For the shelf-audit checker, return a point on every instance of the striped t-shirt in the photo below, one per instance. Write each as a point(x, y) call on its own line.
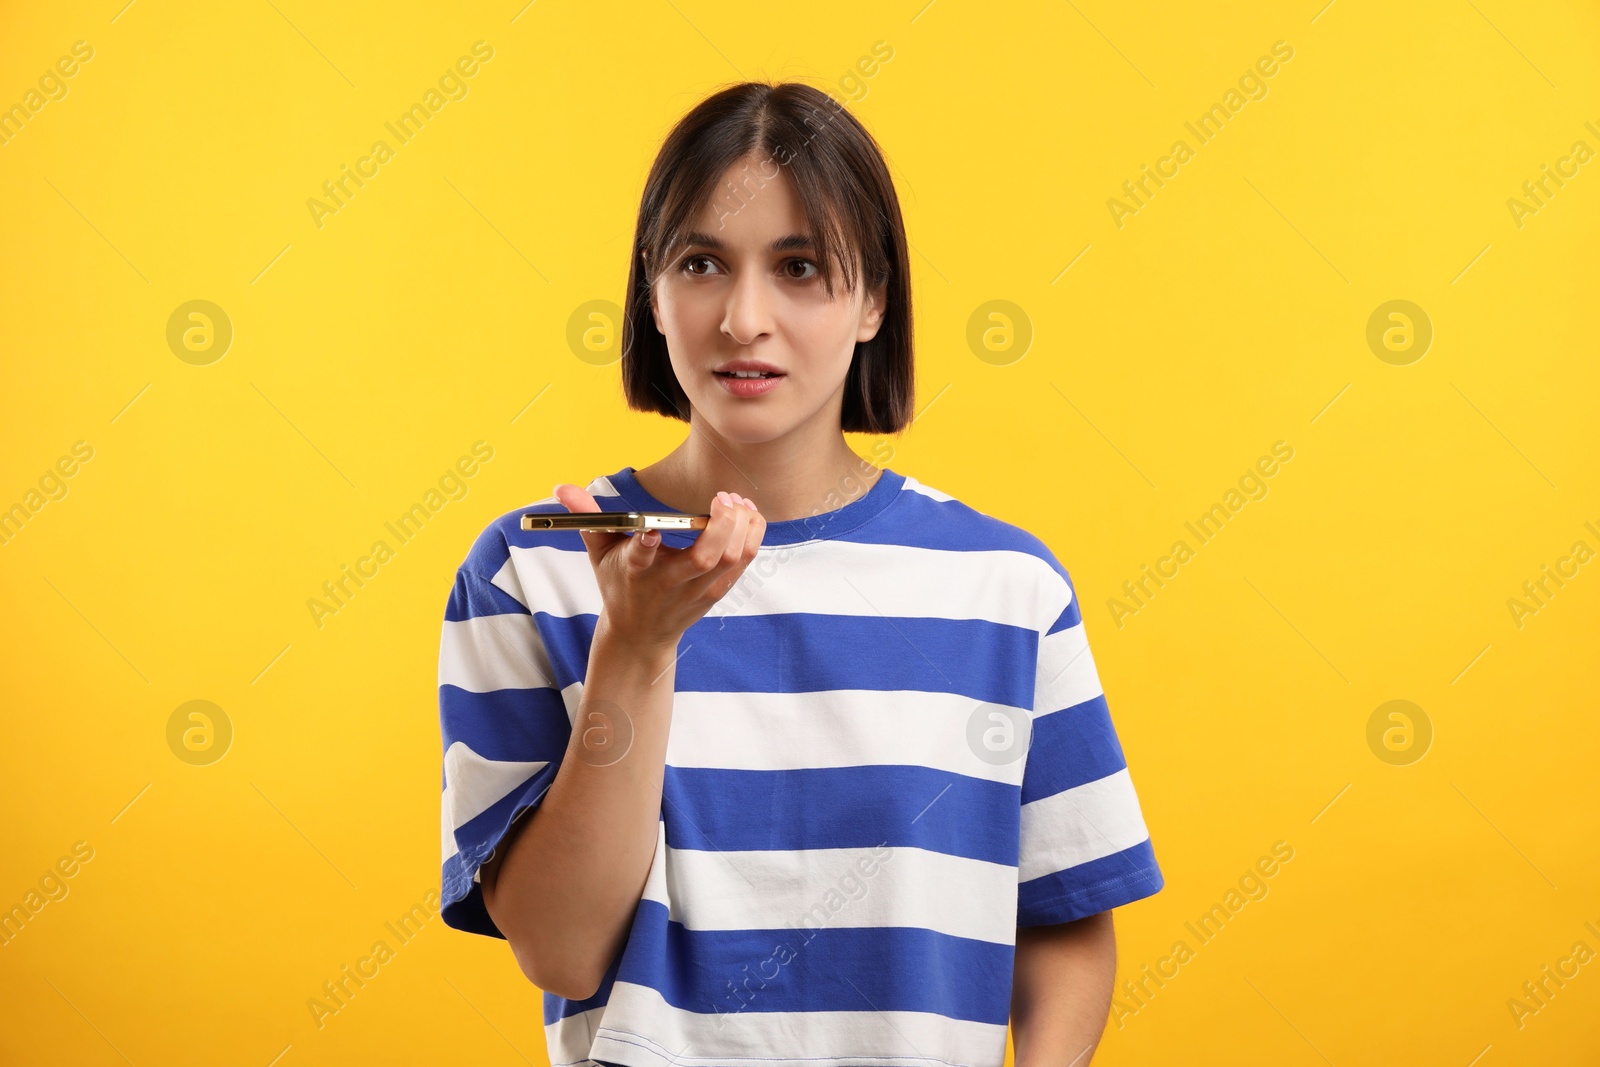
point(889, 749)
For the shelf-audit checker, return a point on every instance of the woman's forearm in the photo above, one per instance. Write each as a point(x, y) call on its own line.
point(1061, 991)
point(564, 886)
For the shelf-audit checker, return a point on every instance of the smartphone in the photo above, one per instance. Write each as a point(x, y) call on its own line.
point(613, 521)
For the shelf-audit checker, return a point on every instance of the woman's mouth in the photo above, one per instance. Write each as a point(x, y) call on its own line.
point(748, 383)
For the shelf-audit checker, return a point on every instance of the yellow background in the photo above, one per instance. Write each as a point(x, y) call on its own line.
point(1229, 313)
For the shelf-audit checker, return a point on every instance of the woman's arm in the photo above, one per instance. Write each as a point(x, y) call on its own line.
point(1061, 991)
point(564, 885)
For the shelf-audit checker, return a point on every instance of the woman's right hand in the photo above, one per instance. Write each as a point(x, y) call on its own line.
point(652, 594)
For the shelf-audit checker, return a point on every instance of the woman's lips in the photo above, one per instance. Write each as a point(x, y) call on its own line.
point(748, 387)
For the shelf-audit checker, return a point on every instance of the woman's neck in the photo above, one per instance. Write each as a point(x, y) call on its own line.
point(785, 480)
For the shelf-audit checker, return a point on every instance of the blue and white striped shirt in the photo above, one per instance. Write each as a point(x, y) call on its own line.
point(889, 748)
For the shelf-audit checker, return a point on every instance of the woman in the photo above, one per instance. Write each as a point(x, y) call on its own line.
point(843, 786)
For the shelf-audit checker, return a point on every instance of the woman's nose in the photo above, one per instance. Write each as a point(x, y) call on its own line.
point(749, 312)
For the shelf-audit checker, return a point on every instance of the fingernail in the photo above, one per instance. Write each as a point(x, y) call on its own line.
point(723, 497)
point(749, 503)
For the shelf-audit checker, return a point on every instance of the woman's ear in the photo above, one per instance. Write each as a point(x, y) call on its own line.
point(873, 308)
point(655, 308)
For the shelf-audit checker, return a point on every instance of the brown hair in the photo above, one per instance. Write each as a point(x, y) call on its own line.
point(842, 183)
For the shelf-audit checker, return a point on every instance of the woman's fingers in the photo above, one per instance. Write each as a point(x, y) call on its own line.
point(574, 497)
point(729, 548)
point(577, 499)
point(711, 546)
point(754, 533)
point(727, 544)
point(642, 549)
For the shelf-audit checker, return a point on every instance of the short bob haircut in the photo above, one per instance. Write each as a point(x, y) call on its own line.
point(839, 176)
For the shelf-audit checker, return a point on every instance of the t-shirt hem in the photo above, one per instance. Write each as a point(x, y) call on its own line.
point(459, 908)
point(636, 1050)
point(1093, 899)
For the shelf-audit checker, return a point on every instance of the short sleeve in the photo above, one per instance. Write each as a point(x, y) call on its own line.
point(504, 729)
point(1084, 847)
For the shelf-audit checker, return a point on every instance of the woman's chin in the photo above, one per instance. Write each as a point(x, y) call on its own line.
point(745, 427)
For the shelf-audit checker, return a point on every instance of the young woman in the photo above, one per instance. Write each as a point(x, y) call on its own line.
point(832, 780)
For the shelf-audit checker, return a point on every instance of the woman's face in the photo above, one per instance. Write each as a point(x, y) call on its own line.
point(748, 287)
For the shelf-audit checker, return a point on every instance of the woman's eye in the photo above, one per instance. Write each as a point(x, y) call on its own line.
point(808, 269)
point(802, 263)
point(685, 265)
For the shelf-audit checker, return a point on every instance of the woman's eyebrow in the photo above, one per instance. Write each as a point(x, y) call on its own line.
point(782, 244)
